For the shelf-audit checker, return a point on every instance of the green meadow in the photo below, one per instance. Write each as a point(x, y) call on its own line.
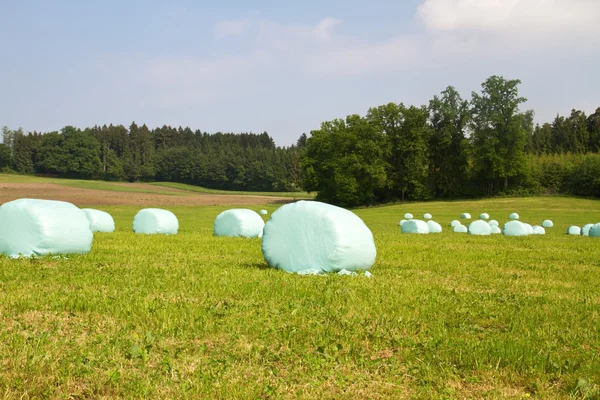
point(447, 316)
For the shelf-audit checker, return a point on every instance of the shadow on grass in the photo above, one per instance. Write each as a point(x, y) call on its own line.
point(257, 265)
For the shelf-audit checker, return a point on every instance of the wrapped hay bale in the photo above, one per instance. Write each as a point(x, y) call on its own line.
point(479, 228)
point(574, 230)
point(263, 212)
point(315, 236)
point(427, 216)
point(465, 216)
point(460, 229)
point(514, 228)
point(402, 221)
point(513, 216)
point(155, 221)
point(31, 227)
point(496, 230)
point(455, 223)
point(547, 224)
point(529, 228)
point(239, 222)
point(538, 230)
point(100, 221)
point(485, 216)
point(415, 226)
point(585, 230)
point(594, 231)
point(408, 216)
point(434, 227)
point(493, 223)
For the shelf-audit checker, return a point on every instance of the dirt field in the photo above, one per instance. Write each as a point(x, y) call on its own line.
point(90, 197)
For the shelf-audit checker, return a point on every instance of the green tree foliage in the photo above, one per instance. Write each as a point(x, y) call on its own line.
point(5, 157)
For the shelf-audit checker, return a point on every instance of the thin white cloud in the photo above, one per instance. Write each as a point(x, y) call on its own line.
point(231, 27)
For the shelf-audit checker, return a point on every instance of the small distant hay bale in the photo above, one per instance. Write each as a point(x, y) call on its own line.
point(238, 222)
point(427, 216)
point(574, 230)
point(152, 221)
point(408, 216)
point(594, 231)
point(539, 230)
point(263, 212)
point(100, 221)
point(415, 226)
point(434, 227)
point(32, 227)
point(496, 230)
point(455, 223)
point(465, 216)
point(529, 228)
point(514, 228)
point(484, 216)
point(547, 224)
point(479, 228)
point(493, 223)
point(513, 216)
point(317, 237)
point(460, 229)
point(585, 230)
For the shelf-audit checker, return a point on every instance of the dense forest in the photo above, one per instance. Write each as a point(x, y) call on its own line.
point(449, 148)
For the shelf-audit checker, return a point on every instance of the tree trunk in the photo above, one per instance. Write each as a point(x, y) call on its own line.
point(403, 195)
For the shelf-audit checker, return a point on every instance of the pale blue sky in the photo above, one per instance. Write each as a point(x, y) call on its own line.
point(283, 67)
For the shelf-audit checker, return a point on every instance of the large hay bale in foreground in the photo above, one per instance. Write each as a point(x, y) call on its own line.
point(31, 227)
point(152, 221)
point(480, 228)
point(594, 231)
point(239, 222)
point(100, 221)
point(514, 228)
point(315, 236)
point(415, 226)
point(434, 227)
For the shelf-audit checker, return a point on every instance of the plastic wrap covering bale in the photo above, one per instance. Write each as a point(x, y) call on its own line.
point(455, 223)
point(31, 227)
point(547, 223)
point(529, 228)
point(465, 216)
point(434, 227)
point(479, 228)
point(100, 221)
point(402, 221)
point(585, 230)
point(574, 230)
point(594, 231)
point(263, 212)
point(310, 235)
point(155, 221)
point(460, 229)
point(514, 228)
point(538, 230)
point(513, 216)
point(484, 216)
point(496, 230)
point(493, 223)
point(427, 216)
point(415, 226)
point(239, 222)
point(408, 216)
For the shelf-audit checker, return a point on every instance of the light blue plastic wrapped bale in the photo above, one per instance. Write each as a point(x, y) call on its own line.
point(529, 228)
point(239, 222)
point(513, 216)
point(485, 216)
point(152, 221)
point(310, 235)
point(455, 223)
point(402, 221)
point(538, 230)
point(594, 231)
point(427, 216)
point(514, 228)
point(434, 227)
point(408, 216)
point(496, 230)
point(493, 223)
point(465, 216)
point(585, 230)
point(100, 221)
point(31, 227)
point(574, 230)
point(479, 228)
point(460, 229)
point(415, 226)
point(263, 212)
point(547, 223)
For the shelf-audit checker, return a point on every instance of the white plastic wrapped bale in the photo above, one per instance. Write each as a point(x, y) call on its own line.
point(408, 216)
point(315, 236)
point(479, 228)
point(31, 227)
point(529, 228)
point(513, 216)
point(465, 216)
point(496, 230)
point(585, 230)
point(574, 230)
point(239, 222)
point(539, 230)
point(493, 223)
point(100, 221)
point(460, 229)
point(263, 212)
point(547, 224)
point(155, 221)
point(434, 227)
point(415, 226)
point(514, 228)
point(485, 216)
point(427, 216)
point(455, 223)
point(402, 221)
point(594, 231)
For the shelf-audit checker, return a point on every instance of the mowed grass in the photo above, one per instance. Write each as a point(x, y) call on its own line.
point(200, 189)
point(446, 316)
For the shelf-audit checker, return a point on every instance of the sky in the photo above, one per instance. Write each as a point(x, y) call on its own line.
point(283, 67)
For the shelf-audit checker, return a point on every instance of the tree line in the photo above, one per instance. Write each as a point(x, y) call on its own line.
point(452, 148)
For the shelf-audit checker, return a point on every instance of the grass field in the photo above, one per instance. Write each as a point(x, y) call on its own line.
point(445, 316)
